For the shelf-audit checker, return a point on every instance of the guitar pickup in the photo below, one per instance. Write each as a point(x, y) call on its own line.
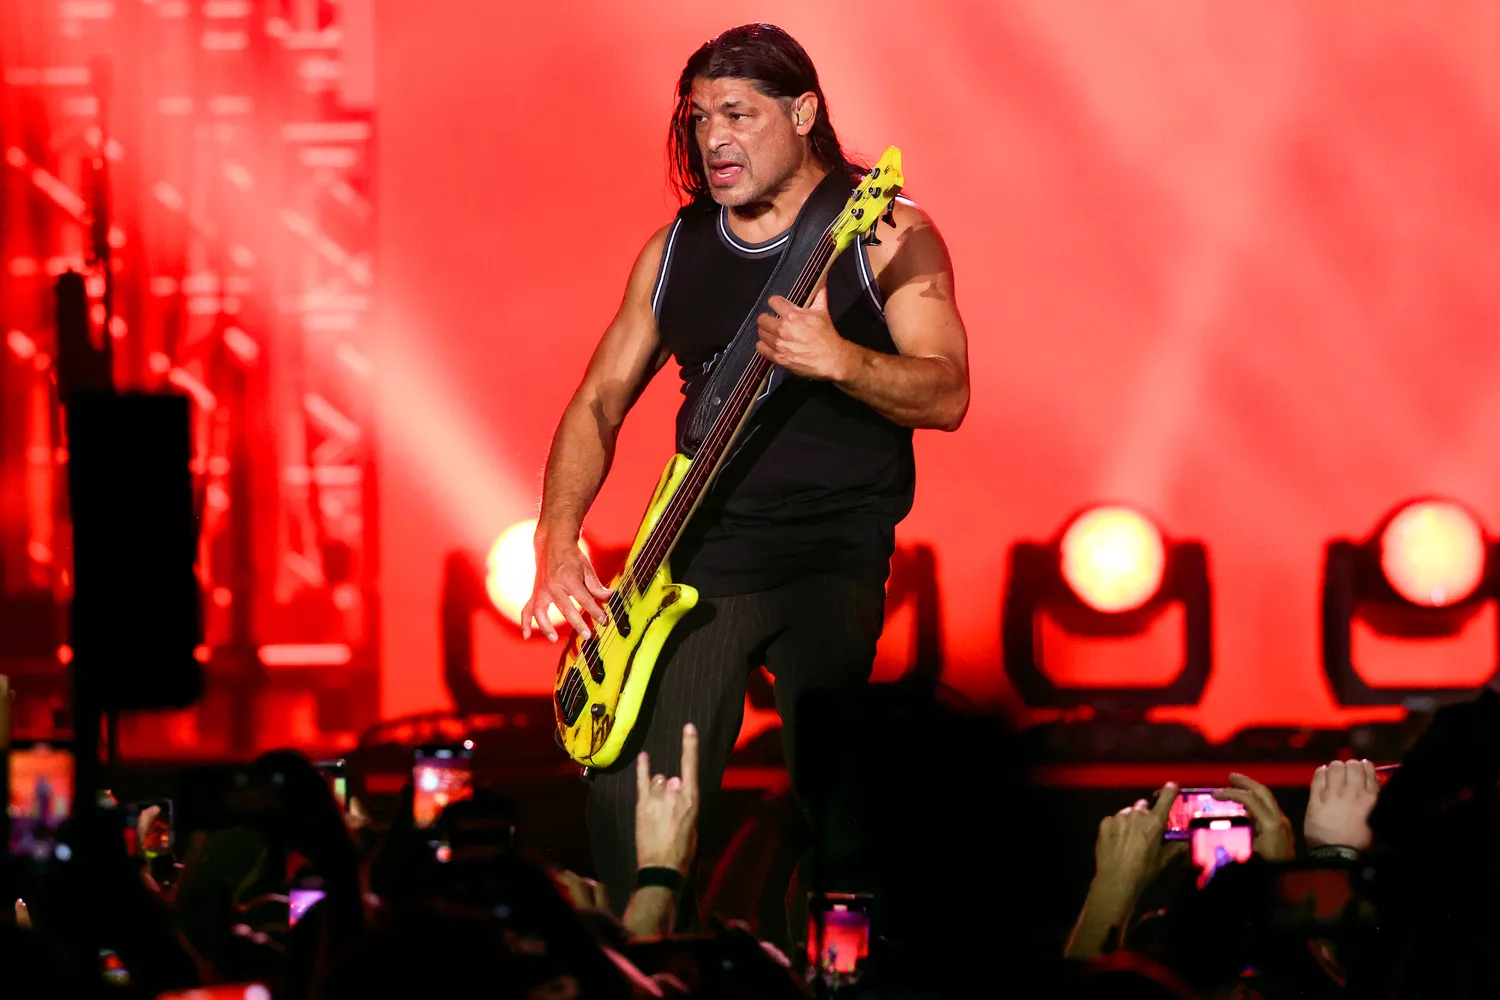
point(571, 699)
point(617, 614)
point(589, 649)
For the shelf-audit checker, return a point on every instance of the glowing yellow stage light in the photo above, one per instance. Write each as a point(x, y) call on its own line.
point(510, 571)
point(1432, 553)
point(1113, 558)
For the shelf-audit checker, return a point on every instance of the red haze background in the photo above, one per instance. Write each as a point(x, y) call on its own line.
point(1234, 263)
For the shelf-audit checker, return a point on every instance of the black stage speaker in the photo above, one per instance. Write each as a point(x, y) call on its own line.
point(136, 619)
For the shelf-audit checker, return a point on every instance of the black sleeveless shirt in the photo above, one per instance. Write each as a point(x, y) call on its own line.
point(819, 480)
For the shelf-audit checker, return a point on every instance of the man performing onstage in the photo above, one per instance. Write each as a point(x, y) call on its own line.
point(791, 547)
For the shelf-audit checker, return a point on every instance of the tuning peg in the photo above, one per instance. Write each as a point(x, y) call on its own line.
point(871, 240)
point(889, 218)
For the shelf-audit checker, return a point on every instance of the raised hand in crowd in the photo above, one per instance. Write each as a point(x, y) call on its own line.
point(1339, 804)
point(583, 893)
point(1130, 851)
point(1274, 839)
point(666, 838)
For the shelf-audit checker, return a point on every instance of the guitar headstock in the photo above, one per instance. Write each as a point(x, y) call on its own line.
point(875, 197)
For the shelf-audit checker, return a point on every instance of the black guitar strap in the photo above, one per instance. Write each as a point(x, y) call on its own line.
point(821, 208)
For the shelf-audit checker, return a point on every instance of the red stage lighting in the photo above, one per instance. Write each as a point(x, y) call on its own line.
point(1432, 553)
point(510, 571)
point(1113, 558)
point(1110, 576)
point(1425, 573)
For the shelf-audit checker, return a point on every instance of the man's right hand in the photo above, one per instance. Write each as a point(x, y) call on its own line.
point(566, 578)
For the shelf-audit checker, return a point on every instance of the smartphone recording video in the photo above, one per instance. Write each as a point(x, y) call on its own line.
point(336, 773)
point(440, 774)
point(41, 798)
point(836, 950)
point(1218, 841)
point(1194, 802)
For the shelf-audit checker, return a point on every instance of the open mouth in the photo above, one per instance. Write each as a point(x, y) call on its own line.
point(724, 174)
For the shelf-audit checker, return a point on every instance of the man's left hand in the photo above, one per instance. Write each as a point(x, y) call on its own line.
point(803, 341)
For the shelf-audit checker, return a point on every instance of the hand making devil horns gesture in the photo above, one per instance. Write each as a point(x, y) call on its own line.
point(666, 810)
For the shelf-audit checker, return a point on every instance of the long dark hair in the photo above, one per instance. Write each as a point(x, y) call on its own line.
point(780, 68)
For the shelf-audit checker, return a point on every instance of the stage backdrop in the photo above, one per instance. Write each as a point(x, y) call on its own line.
point(1234, 263)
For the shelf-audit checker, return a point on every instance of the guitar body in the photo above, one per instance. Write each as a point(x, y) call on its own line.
point(594, 716)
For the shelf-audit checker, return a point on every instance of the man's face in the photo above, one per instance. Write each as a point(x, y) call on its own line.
point(749, 142)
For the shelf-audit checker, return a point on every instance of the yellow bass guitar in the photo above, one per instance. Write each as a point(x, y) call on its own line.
point(602, 680)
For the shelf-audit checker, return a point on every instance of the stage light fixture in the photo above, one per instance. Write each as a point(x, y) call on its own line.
point(510, 571)
point(1113, 558)
point(1432, 553)
point(1109, 573)
point(1424, 573)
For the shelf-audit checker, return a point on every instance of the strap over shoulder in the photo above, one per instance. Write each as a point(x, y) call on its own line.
point(818, 212)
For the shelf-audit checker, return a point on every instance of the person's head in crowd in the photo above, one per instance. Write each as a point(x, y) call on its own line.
point(1436, 863)
point(936, 779)
point(500, 922)
point(92, 899)
point(309, 818)
point(1229, 934)
point(320, 853)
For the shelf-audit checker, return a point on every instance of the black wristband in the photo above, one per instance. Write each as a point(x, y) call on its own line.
point(657, 876)
point(1334, 852)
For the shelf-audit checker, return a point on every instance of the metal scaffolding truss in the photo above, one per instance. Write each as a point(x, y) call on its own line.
point(238, 136)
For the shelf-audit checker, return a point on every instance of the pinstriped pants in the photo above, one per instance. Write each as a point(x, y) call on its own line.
point(815, 636)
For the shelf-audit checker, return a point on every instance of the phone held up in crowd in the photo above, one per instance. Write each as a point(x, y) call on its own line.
point(41, 784)
point(441, 773)
point(1192, 803)
point(1218, 841)
point(838, 937)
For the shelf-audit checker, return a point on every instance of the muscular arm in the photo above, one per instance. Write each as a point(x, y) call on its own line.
point(628, 355)
point(927, 383)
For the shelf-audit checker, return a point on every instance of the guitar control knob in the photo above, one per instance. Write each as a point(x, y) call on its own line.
point(596, 710)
